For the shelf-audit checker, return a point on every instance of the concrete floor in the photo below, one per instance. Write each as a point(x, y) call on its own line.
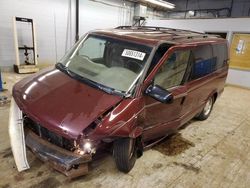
point(212, 153)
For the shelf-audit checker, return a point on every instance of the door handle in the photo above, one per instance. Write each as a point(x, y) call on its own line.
point(180, 95)
point(182, 100)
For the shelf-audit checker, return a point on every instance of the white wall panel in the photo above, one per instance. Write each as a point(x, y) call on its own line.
point(95, 15)
point(42, 12)
point(54, 35)
point(238, 77)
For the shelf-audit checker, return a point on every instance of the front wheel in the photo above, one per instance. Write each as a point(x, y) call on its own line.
point(206, 110)
point(124, 152)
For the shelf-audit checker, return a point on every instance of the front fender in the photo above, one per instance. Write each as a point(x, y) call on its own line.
point(123, 120)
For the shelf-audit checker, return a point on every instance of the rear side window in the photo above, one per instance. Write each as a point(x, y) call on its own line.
point(220, 52)
point(204, 61)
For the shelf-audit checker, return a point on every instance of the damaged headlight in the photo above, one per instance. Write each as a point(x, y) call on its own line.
point(86, 147)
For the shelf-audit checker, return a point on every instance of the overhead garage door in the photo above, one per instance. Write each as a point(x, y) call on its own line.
point(240, 51)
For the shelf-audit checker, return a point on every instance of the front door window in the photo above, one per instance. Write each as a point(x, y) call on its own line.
point(172, 71)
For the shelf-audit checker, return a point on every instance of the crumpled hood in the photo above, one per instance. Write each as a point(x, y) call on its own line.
point(61, 103)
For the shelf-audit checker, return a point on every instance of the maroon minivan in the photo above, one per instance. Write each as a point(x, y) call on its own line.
point(124, 88)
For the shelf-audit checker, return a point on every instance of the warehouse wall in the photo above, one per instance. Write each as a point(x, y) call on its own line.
point(98, 14)
point(229, 25)
point(240, 8)
point(47, 16)
point(55, 25)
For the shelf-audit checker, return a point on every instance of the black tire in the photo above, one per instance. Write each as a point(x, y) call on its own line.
point(206, 111)
point(124, 152)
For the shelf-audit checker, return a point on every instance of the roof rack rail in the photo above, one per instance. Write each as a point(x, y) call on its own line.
point(193, 37)
point(143, 27)
point(154, 28)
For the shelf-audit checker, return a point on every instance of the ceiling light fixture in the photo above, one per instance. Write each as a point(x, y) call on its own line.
point(161, 3)
point(191, 13)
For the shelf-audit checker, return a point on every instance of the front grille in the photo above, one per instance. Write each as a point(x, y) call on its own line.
point(47, 134)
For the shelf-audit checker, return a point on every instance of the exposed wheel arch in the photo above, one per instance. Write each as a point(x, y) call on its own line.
point(204, 114)
point(215, 95)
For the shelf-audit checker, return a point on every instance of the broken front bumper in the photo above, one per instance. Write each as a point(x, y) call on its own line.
point(65, 161)
point(16, 134)
point(69, 163)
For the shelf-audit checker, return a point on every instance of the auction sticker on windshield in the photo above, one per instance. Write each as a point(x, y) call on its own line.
point(133, 54)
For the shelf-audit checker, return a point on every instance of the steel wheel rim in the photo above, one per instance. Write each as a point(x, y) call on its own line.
point(208, 106)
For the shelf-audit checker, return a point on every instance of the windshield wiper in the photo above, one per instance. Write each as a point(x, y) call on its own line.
point(106, 89)
point(111, 90)
point(63, 68)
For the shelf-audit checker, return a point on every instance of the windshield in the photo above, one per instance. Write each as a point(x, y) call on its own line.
point(106, 61)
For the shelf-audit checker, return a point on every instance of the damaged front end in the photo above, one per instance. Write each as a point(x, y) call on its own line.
point(62, 154)
point(69, 163)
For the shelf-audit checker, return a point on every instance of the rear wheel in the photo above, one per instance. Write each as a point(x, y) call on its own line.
point(124, 153)
point(206, 110)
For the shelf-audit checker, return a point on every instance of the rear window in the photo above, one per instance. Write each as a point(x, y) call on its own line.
point(221, 54)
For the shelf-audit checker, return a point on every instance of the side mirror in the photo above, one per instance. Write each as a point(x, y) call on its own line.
point(159, 94)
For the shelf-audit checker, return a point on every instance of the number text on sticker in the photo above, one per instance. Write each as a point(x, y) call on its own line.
point(133, 54)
